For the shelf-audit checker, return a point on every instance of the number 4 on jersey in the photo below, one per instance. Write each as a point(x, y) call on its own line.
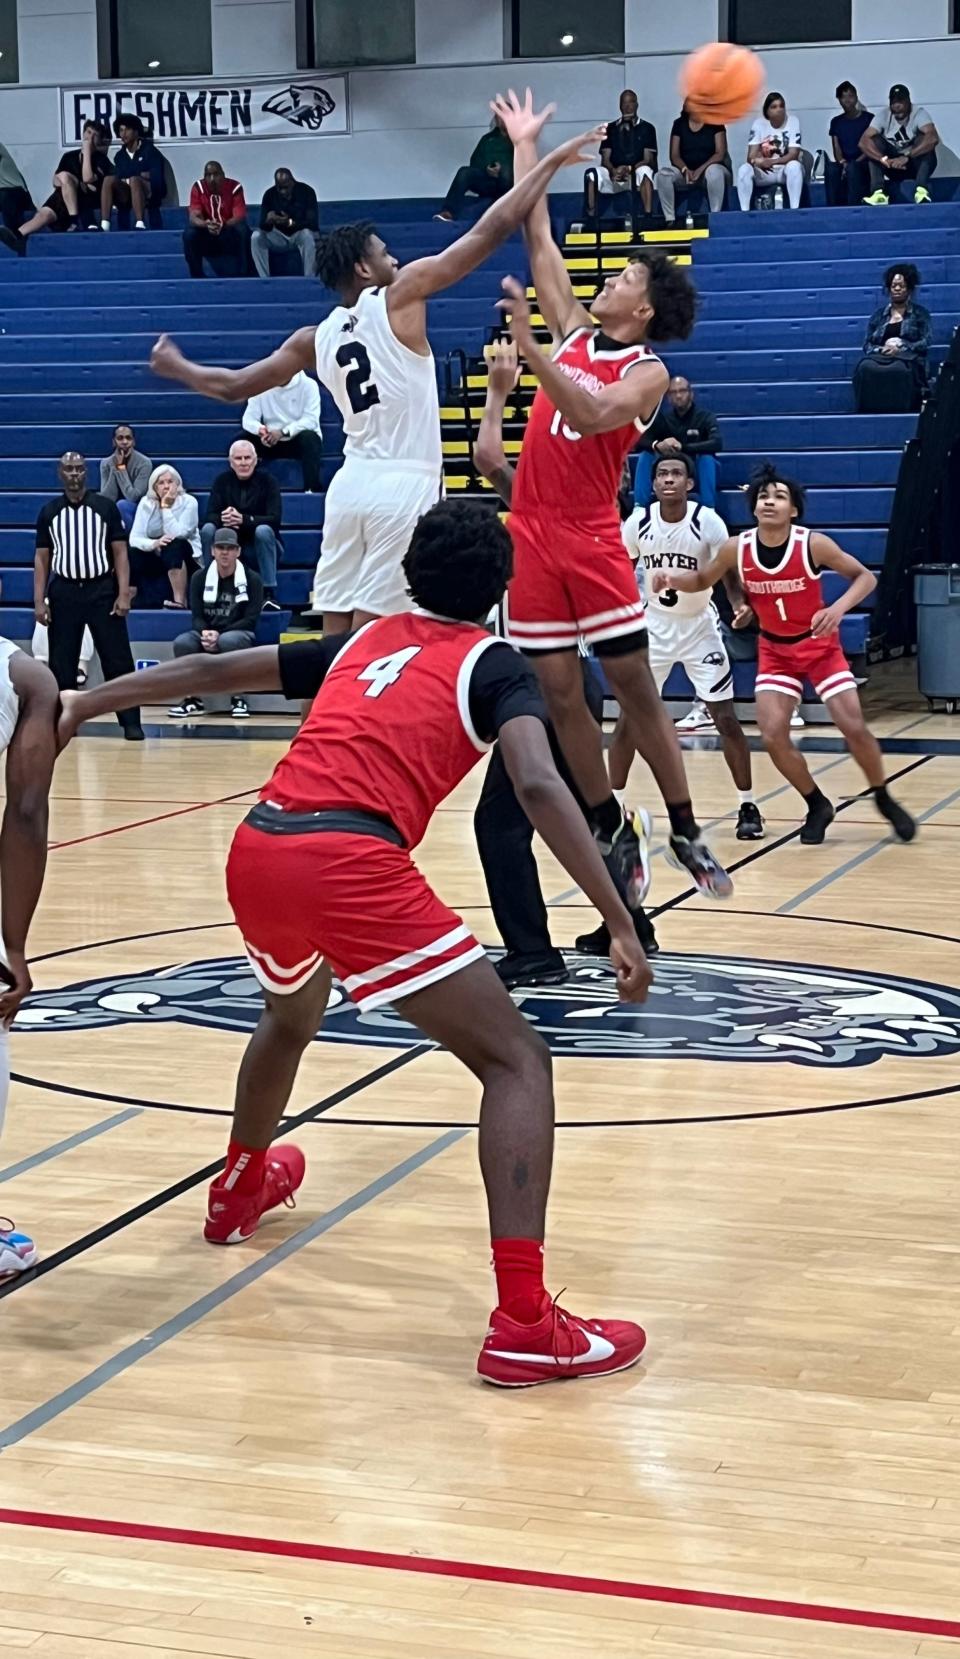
point(386, 671)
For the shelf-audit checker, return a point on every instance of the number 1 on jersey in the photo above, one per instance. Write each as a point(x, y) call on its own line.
point(781, 609)
point(386, 671)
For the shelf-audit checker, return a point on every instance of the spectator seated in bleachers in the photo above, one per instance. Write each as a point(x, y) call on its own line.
point(891, 376)
point(165, 539)
point(288, 219)
point(285, 424)
point(628, 153)
point(488, 173)
point(77, 185)
point(845, 178)
point(698, 162)
point(125, 475)
point(225, 602)
point(137, 182)
point(900, 147)
point(774, 155)
point(217, 226)
point(681, 427)
point(247, 499)
point(15, 199)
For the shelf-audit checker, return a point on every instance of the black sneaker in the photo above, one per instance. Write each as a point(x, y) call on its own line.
point(749, 822)
point(185, 708)
point(269, 605)
point(597, 943)
point(904, 827)
point(10, 239)
point(239, 708)
point(818, 820)
point(515, 969)
point(627, 856)
point(134, 734)
point(695, 857)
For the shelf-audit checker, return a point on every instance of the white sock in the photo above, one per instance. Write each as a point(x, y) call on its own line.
point(619, 795)
point(745, 797)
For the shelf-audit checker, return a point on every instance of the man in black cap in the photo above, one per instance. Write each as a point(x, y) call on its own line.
point(225, 603)
point(901, 143)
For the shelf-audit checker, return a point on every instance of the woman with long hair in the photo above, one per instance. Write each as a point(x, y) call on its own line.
point(165, 539)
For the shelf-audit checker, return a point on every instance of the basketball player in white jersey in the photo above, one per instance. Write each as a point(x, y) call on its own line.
point(29, 706)
point(676, 533)
point(373, 354)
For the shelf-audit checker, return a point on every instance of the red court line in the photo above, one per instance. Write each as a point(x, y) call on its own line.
point(158, 817)
point(436, 1567)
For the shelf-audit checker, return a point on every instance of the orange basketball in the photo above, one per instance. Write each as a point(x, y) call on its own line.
point(721, 82)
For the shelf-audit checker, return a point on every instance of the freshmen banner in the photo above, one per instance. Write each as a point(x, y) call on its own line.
point(181, 112)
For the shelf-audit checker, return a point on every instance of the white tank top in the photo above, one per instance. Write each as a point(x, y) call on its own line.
point(386, 393)
point(9, 701)
point(688, 545)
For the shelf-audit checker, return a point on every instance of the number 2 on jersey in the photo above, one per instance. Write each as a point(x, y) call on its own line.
point(386, 671)
point(358, 382)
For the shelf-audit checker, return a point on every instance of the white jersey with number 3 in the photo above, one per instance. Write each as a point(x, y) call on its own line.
point(386, 393)
point(658, 545)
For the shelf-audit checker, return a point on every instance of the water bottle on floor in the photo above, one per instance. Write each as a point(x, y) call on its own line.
point(778, 196)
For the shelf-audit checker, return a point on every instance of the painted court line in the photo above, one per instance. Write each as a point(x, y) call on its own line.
point(860, 858)
point(191, 1315)
point(438, 1567)
point(158, 818)
point(48, 1153)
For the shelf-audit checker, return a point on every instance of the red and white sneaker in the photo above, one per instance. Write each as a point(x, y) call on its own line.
point(558, 1346)
point(235, 1216)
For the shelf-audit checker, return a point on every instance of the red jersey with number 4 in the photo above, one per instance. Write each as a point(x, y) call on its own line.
point(390, 730)
point(560, 470)
point(784, 599)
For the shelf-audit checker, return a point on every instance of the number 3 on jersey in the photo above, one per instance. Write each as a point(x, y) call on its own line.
point(386, 671)
point(358, 381)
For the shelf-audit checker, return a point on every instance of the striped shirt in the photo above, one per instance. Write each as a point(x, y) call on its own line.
point(78, 535)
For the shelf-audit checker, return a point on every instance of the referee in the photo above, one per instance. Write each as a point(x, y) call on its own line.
point(81, 577)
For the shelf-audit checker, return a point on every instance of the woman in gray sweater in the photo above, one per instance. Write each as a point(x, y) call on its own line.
point(164, 538)
point(125, 475)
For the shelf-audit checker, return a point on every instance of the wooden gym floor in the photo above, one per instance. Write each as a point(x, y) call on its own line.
point(282, 1450)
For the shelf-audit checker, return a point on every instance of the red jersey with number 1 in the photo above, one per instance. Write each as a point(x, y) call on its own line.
point(560, 470)
point(784, 599)
point(390, 730)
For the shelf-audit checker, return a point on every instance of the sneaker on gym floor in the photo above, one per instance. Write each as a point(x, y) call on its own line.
point(699, 719)
point(797, 721)
point(878, 199)
point(627, 856)
point(818, 820)
point(904, 827)
point(696, 858)
point(749, 822)
point(517, 968)
point(597, 943)
point(557, 1347)
point(239, 708)
point(185, 708)
point(233, 1217)
point(18, 1253)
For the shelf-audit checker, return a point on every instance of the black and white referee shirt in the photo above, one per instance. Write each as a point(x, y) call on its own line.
point(78, 534)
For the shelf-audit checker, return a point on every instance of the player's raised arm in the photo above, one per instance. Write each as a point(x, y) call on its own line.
point(828, 555)
point(698, 581)
point(235, 385)
point(561, 309)
point(489, 457)
point(23, 835)
point(423, 277)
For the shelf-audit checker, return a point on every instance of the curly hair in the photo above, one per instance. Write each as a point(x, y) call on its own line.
point(682, 459)
point(910, 274)
point(340, 251)
point(769, 474)
point(672, 295)
point(459, 561)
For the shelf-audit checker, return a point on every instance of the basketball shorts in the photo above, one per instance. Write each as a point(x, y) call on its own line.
point(570, 582)
point(696, 644)
point(370, 512)
point(351, 900)
point(784, 668)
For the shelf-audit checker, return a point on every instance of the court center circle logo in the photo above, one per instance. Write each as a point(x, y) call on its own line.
point(700, 1007)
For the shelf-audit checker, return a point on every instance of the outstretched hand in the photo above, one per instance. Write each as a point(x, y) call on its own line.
point(503, 366)
point(166, 359)
point(516, 313)
point(520, 121)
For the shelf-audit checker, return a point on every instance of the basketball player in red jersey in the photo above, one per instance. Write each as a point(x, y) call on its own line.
point(779, 565)
point(573, 577)
point(320, 872)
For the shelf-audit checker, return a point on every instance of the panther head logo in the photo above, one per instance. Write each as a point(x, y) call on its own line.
point(302, 106)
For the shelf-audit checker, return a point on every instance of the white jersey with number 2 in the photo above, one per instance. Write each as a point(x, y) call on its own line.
point(386, 393)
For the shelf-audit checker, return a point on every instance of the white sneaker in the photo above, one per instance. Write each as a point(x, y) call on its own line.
point(140, 225)
point(104, 224)
point(239, 708)
point(698, 720)
point(18, 1253)
point(796, 720)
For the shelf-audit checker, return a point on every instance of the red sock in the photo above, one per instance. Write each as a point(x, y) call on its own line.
point(245, 1166)
point(518, 1265)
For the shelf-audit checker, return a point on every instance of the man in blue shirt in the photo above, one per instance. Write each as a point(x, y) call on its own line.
point(845, 177)
point(137, 181)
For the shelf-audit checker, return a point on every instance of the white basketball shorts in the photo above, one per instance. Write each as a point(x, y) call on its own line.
point(371, 510)
point(696, 643)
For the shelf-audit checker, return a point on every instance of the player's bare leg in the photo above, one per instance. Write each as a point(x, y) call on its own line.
point(620, 755)
point(736, 753)
point(337, 622)
point(257, 1177)
point(774, 709)
point(530, 1340)
point(847, 715)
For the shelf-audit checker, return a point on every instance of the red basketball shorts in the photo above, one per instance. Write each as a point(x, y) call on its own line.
point(354, 901)
point(570, 582)
point(784, 668)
